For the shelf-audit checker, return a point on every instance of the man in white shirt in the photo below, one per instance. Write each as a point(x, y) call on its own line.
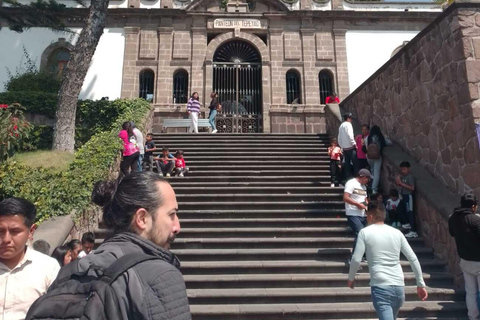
point(383, 245)
point(346, 141)
point(25, 274)
point(141, 146)
point(355, 198)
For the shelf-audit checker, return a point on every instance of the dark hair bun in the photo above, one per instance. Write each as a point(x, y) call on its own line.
point(103, 192)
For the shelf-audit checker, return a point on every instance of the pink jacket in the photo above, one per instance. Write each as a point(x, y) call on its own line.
point(129, 146)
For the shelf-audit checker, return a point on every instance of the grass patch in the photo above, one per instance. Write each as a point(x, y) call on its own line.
point(45, 159)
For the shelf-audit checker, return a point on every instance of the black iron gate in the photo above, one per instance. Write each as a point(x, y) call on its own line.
point(237, 78)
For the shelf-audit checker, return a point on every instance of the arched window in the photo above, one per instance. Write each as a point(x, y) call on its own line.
point(147, 81)
point(57, 61)
point(180, 86)
point(325, 80)
point(293, 87)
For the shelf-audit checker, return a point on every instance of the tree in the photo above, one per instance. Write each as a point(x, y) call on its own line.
point(39, 14)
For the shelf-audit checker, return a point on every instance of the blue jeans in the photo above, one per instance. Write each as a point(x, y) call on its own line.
point(387, 301)
point(375, 169)
point(211, 119)
point(140, 163)
point(356, 224)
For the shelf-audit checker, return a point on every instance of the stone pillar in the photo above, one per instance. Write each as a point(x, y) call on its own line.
point(199, 46)
point(130, 76)
point(310, 74)
point(164, 77)
point(343, 89)
point(305, 4)
point(337, 4)
point(278, 95)
point(266, 85)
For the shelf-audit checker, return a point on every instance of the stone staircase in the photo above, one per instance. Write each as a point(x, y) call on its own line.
point(264, 236)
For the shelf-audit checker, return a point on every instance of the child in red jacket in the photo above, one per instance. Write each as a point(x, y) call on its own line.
point(180, 166)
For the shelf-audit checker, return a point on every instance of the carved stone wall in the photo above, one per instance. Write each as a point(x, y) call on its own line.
point(426, 98)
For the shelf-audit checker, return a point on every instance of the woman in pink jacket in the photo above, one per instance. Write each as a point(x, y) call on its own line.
point(131, 153)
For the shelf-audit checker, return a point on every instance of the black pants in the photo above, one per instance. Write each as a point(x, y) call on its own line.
point(351, 167)
point(129, 162)
point(165, 167)
point(335, 171)
point(410, 215)
point(362, 163)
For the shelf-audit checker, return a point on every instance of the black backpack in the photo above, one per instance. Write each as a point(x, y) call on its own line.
point(81, 296)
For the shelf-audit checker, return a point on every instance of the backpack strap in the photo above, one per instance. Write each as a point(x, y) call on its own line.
point(125, 263)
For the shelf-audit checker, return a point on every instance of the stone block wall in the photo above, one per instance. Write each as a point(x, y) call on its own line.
point(302, 121)
point(426, 98)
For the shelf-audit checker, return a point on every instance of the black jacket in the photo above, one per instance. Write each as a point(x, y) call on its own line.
point(464, 225)
point(154, 289)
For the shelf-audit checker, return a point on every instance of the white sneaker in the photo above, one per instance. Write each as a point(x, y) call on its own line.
point(214, 131)
point(168, 175)
point(397, 225)
point(180, 175)
point(332, 185)
point(406, 226)
point(411, 234)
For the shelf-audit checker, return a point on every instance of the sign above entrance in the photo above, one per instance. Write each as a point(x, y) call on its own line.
point(237, 23)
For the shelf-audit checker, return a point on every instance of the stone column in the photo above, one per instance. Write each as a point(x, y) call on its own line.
point(130, 76)
point(278, 95)
point(164, 76)
point(337, 4)
point(199, 50)
point(310, 75)
point(266, 87)
point(343, 89)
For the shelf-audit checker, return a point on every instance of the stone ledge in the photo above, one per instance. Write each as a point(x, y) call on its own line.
point(439, 197)
point(55, 231)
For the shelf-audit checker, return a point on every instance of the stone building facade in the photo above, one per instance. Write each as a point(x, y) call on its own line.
point(298, 52)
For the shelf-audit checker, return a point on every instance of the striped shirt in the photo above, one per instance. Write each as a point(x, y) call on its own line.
point(193, 105)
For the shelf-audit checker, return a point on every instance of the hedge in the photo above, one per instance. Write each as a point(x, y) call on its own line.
point(43, 103)
point(57, 193)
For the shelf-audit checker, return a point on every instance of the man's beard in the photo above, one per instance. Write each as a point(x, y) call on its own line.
point(156, 237)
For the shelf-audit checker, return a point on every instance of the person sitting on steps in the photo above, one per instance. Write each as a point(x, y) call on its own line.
point(180, 166)
point(165, 162)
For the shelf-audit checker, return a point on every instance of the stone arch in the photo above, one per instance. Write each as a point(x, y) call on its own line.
point(60, 44)
point(250, 38)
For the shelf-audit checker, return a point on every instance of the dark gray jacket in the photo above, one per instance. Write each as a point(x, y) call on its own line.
point(154, 289)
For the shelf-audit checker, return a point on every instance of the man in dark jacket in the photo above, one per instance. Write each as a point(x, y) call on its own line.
point(141, 212)
point(464, 225)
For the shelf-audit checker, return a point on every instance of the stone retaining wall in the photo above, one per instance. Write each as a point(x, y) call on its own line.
point(426, 98)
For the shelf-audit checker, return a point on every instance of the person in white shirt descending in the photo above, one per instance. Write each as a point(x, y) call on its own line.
point(346, 141)
point(25, 274)
point(383, 245)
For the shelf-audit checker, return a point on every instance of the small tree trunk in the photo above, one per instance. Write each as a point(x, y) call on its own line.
point(74, 75)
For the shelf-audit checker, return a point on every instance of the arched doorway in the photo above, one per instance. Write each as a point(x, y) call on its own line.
point(237, 78)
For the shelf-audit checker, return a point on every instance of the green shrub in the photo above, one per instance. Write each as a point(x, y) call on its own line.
point(58, 193)
point(40, 138)
point(34, 81)
point(43, 103)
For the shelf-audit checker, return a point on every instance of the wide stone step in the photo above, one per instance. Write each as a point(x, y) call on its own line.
point(256, 232)
point(261, 205)
point(268, 213)
point(253, 157)
point(253, 198)
point(292, 172)
point(242, 162)
point(241, 144)
point(236, 136)
point(185, 242)
point(247, 167)
point(242, 153)
point(262, 266)
point(321, 180)
point(217, 183)
point(186, 189)
point(305, 295)
point(329, 280)
point(317, 311)
point(329, 254)
point(263, 223)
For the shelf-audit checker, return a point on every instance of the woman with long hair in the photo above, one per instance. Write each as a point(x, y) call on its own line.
point(193, 109)
point(213, 111)
point(374, 147)
point(131, 152)
point(63, 254)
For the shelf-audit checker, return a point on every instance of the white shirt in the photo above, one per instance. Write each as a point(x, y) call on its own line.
point(358, 193)
point(383, 245)
point(346, 139)
point(22, 285)
point(139, 136)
